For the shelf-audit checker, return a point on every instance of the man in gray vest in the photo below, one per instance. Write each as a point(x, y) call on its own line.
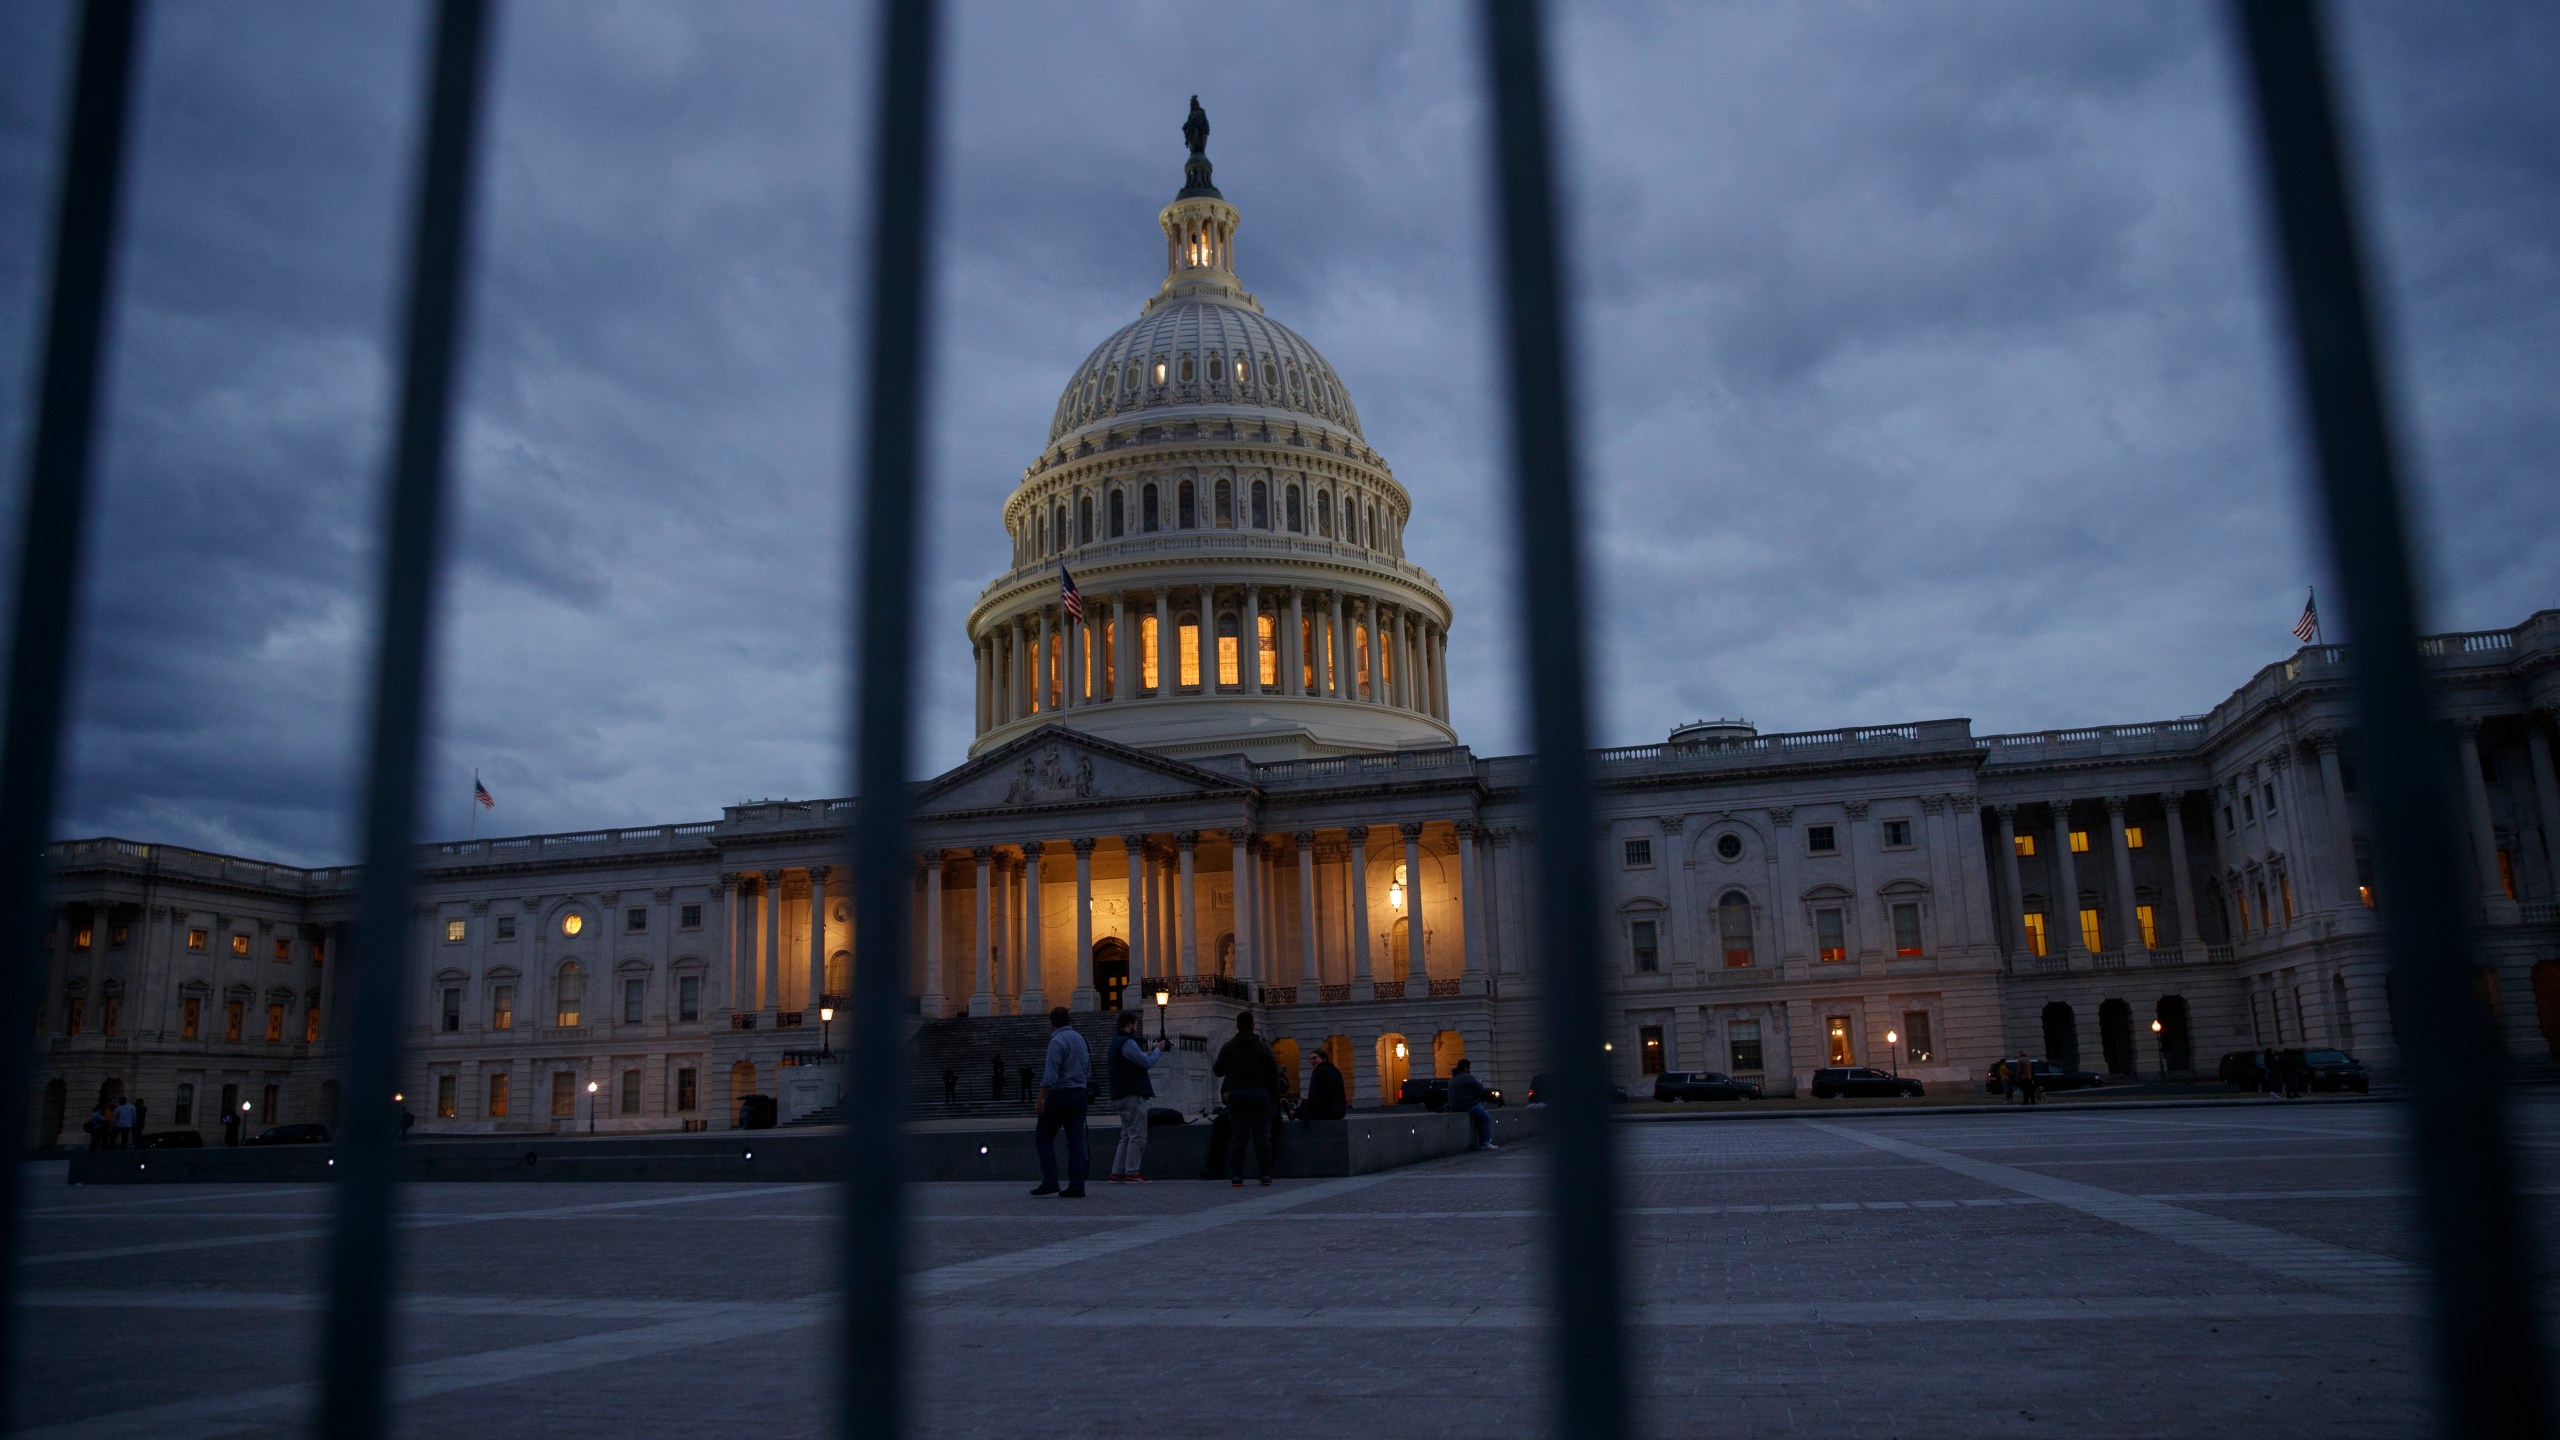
point(1133, 1089)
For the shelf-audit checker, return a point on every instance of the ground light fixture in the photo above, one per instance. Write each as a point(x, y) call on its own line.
point(1892, 1043)
point(591, 1107)
point(1164, 997)
point(826, 1017)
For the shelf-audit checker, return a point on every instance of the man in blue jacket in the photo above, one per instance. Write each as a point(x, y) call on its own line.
point(1066, 1078)
point(1132, 1088)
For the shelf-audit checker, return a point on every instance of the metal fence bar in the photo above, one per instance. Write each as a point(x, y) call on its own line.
point(57, 495)
point(1587, 1311)
point(870, 1356)
point(2487, 1334)
point(363, 1260)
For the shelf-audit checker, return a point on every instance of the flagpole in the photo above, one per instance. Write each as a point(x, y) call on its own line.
point(2318, 636)
point(475, 804)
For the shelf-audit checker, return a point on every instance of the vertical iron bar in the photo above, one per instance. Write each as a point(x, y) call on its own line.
point(2487, 1334)
point(872, 1397)
point(363, 1259)
point(58, 459)
point(1581, 1173)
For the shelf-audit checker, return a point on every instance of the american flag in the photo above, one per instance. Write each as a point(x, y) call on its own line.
point(2309, 625)
point(481, 793)
point(1069, 596)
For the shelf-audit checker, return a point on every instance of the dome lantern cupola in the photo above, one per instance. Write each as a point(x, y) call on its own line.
point(1200, 230)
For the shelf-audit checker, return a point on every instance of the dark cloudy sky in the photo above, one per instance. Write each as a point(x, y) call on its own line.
point(1923, 358)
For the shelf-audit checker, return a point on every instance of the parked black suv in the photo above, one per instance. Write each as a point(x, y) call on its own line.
point(2325, 1070)
point(1702, 1085)
point(1847, 1080)
point(2049, 1077)
point(2248, 1069)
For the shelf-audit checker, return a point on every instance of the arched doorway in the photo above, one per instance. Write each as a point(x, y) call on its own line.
point(1111, 970)
point(1286, 1052)
point(1395, 1060)
point(57, 1098)
point(2546, 1001)
point(742, 1080)
point(2176, 1050)
point(2115, 1035)
point(840, 974)
point(2061, 1036)
point(1339, 1047)
point(1447, 1049)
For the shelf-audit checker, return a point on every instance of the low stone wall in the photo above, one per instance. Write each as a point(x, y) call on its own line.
point(1365, 1142)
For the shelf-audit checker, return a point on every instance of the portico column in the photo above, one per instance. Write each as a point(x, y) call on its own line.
point(984, 652)
point(817, 935)
point(1083, 998)
point(1293, 647)
point(1868, 907)
point(1358, 835)
point(983, 1000)
point(1252, 676)
point(2128, 927)
point(1035, 988)
point(1408, 647)
point(2484, 836)
point(742, 971)
point(1308, 974)
point(1167, 650)
point(933, 1000)
point(1187, 842)
point(1417, 964)
point(2068, 870)
point(1240, 867)
point(2013, 925)
point(1335, 644)
point(2546, 793)
point(2188, 934)
point(1141, 957)
point(2333, 791)
point(1471, 908)
point(772, 946)
point(1440, 672)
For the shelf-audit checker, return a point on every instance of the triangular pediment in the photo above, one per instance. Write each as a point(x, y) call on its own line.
point(1054, 767)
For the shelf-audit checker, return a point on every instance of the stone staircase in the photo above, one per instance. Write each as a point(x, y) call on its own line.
point(966, 1045)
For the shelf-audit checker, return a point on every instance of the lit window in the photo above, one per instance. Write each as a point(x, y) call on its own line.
point(506, 927)
point(689, 917)
point(311, 1025)
point(2079, 842)
point(2089, 930)
point(1189, 653)
point(444, 1097)
point(1642, 938)
point(1159, 372)
point(1897, 833)
point(2133, 837)
point(1639, 853)
point(688, 1088)
point(454, 930)
point(1916, 1048)
point(233, 1013)
point(1146, 652)
point(1830, 935)
point(74, 1010)
point(1843, 1052)
point(110, 1014)
point(82, 938)
point(572, 997)
point(2034, 921)
point(190, 1018)
point(1742, 1037)
point(1821, 840)
point(572, 923)
point(117, 935)
point(689, 998)
point(498, 1096)
point(284, 949)
point(1733, 923)
point(240, 944)
point(2025, 845)
point(1906, 928)
point(1649, 1048)
point(1267, 627)
point(275, 1022)
point(2150, 930)
point(502, 1007)
point(564, 1095)
point(1229, 672)
point(319, 950)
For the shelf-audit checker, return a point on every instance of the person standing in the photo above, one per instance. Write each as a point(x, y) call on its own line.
point(141, 1117)
point(1132, 1089)
point(1065, 1077)
point(123, 1136)
point(1327, 1097)
point(1249, 1076)
point(1467, 1096)
point(98, 1126)
point(995, 1076)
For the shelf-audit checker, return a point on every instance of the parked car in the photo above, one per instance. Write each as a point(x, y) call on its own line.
point(291, 1135)
point(1538, 1090)
point(170, 1140)
point(2049, 1075)
point(1846, 1080)
point(1702, 1085)
point(2248, 1069)
point(1432, 1093)
point(2326, 1070)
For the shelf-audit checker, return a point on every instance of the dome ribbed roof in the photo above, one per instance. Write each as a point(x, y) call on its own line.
point(1199, 343)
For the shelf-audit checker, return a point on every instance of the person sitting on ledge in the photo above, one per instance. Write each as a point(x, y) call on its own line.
point(1326, 1097)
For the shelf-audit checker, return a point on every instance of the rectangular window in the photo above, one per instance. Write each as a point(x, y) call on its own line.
point(454, 930)
point(2133, 837)
point(634, 992)
point(1733, 917)
point(689, 917)
point(688, 1091)
point(498, 1095)
point(1146, 652)
point(689, 997)
point(2506, 878)
point(1844, 1050)
point(1648, 953)
point(234, 1013)
point(190, 1018)
point(112, 1014)
point(2089, 931)
point(74, 1010)
point(452, 1009)
point(82, 938)
point(1915, 1037)
point(2284, 892)
point(2034, 921)
point(2249, 808)
point(267, 1106)
point(311, 1025)
point(319, 950)
point(564, 1095)
point(444, 1097)
point(2079, 842)
point(2142, 916)
point(1897, 834)
point(506, 927)
point(2243, 897)
point(2228, 824)
point(1821, 840)
point(275, 1022)
point(1743, 1036)
point(284, 949)
point(1830, 935)
point(635, 920)
point(502, 1007)
point(1187, 642)
point(230, 1103)
point(1268, 627)
point(1230, 671)
point(240, 944)
point(2025, 845)
point(1649, 1048)
point(2268, 795)
point(630, 1096)
point(1639, 853)
point(1906, 928)
point(197, 939)
point(186, 1105)
point(118, 935)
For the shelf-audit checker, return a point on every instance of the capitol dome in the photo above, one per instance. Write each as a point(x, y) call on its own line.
point(1236, 548)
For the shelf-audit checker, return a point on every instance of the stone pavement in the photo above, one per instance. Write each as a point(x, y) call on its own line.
point(2007, 1273)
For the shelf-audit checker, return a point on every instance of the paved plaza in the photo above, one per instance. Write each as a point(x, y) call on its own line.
point(2119, 1272)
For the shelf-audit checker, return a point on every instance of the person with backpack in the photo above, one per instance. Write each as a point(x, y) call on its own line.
point(1250, 1084)
point(1467, 1096)
point(1132, 1089)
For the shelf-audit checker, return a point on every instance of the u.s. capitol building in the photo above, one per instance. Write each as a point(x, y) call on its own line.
point(1237, 779)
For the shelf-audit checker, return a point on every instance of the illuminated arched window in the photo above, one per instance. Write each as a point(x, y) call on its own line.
point(572, 995)
point(1733, 923)
point(1229, 647)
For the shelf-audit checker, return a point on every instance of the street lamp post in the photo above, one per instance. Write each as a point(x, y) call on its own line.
point(1893, 1047)
point(591, 1107)
point(2161, 1039)
point(826, 1017)
point(244, 1122)
point(1164, 997)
